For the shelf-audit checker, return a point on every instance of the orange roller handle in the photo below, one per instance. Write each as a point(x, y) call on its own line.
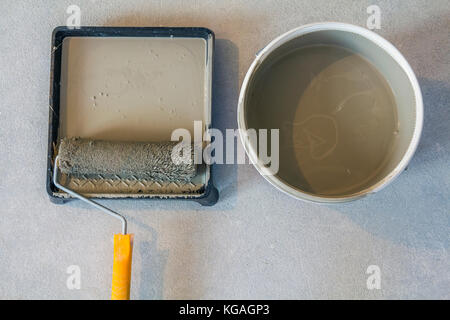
point(123, 249)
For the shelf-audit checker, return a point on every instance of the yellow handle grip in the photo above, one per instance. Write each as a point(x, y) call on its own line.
point(123, 249)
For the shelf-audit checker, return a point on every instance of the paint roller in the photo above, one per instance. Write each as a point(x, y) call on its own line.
point(122, 160)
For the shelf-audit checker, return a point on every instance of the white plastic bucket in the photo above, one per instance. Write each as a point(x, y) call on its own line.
point(386, 59)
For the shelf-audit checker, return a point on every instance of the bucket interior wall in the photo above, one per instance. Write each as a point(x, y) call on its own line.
point(274, 103)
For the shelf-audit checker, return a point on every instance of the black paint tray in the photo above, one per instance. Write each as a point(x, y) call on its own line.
point(201, 189)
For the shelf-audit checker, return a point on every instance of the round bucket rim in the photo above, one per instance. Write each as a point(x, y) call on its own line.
point(331, 26)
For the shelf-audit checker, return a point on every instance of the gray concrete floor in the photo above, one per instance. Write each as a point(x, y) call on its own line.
point(256, 242)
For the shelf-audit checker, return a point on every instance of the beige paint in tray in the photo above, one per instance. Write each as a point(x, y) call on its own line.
point(131, 89)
